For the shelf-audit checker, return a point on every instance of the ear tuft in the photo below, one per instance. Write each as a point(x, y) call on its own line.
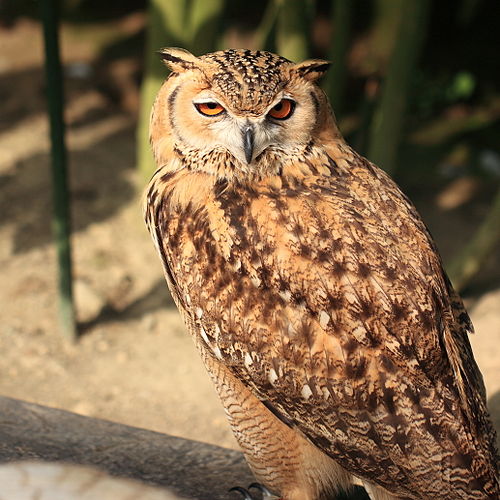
point(178, 59)
point(312, 69)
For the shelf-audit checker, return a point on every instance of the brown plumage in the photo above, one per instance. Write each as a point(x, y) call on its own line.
point(312, 289)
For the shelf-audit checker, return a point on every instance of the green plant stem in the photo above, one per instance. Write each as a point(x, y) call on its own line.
point(165, 20)
point(293, 27)
point(61, 219)
point(204, 23)
point(388, 120)
point(336, 76)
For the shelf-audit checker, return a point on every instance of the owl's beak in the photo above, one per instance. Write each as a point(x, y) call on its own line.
point(248, 141)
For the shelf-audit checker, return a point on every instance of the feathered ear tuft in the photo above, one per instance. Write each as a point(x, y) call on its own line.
point(312, 69)
point(178, 59)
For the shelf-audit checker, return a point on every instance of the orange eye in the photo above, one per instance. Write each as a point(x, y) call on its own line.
point(283, 110)
point(210, 108)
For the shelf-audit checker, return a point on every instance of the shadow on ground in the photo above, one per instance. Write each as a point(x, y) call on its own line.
point(99, 188)
point(156, 298)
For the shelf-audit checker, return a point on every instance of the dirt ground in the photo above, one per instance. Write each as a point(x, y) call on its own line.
point(134, 363)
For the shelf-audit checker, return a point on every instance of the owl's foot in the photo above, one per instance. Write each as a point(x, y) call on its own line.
point(266, 494)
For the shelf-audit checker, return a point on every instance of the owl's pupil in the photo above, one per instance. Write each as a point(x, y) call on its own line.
point(278, 106)
point(212, 105)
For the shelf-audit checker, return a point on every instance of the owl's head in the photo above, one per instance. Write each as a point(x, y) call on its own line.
point(237, 108)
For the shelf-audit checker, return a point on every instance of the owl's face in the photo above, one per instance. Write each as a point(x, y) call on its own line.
point(237, 104)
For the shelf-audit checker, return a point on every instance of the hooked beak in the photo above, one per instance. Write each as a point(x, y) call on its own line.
point(248, 142)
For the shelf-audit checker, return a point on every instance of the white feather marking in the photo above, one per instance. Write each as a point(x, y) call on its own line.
point(217, 352)
point(324, 319)
point(359, 333)
point(326, 393)
point(340, 435)
point(286, 295)
point(203, 334)
point(272, 376)
point(248, 360)
point(188, 299)
point(199, 312)
point(217, 331)
point(256, 281)
point(306, 392)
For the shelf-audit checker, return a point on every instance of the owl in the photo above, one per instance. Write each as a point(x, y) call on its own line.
point(312, 289)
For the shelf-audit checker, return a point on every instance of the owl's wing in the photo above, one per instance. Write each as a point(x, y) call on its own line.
point(326, 296)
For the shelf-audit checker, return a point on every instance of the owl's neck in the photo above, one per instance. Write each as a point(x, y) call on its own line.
point(179, 184)
point(218, 165)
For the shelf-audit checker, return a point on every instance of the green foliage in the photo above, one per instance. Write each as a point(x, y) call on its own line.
point(431, 94)
point(265, 32)
point(284, 28)
point(461, 87)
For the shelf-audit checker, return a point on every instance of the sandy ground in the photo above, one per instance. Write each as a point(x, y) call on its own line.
point(134, 363)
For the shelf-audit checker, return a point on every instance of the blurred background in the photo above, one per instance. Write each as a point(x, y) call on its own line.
point(415, 85)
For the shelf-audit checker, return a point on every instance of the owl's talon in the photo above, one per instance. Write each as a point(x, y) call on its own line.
point(266, 494)
point(243, 491)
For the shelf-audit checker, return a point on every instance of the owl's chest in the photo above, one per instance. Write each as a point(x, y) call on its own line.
point(237, 248)
point(252, 233)
point(226, 252)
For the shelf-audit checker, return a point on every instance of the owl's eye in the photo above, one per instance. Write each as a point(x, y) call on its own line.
point(209, 108)
point(283, 110)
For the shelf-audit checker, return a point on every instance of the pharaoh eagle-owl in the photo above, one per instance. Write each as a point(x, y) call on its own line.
point(312, 289)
